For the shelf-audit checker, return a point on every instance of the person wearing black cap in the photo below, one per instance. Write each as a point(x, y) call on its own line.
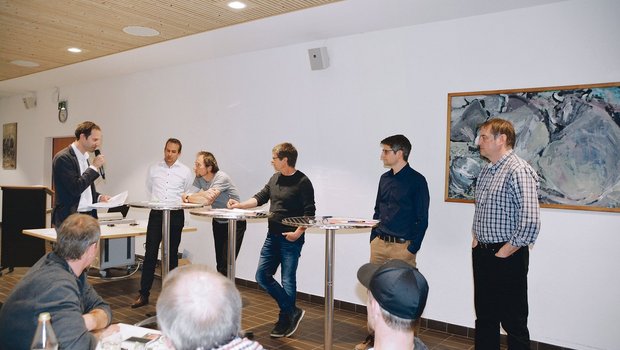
point(397, 294)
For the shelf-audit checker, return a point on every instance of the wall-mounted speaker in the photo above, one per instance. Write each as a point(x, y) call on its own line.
point(30, 101)
point(318, 58)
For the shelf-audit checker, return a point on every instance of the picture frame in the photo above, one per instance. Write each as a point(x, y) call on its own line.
point(9, 146)
point(569, 134)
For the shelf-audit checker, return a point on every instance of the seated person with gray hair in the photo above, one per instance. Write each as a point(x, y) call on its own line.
point(200, 309)
point(58, 284)
point(397, 295)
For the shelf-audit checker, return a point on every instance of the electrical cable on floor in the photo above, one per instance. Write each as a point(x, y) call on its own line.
point(136, 269)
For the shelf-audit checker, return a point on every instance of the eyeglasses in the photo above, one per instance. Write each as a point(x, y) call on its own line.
point(386, 151)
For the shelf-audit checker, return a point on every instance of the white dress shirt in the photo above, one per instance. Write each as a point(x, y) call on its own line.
point(86, 198)
point(166, 184)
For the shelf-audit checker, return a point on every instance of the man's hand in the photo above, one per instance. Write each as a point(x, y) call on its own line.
point(98, 161)
point(106, 332)
point(232, 204)
point(506, 250)
point(293, 236)
point(95, 319)
point(104, 198)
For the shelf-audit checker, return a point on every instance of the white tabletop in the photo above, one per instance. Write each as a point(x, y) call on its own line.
point(238, 214)
point(107, 231)
point(165, 205)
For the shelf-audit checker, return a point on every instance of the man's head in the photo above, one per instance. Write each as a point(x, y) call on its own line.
point(77, 234)
point(394, 148)
point(284, 150)
point(198, 308)
point(204, 160)
point(172, 151)
point(495, 137)
point(397, 290)
point(88, 136)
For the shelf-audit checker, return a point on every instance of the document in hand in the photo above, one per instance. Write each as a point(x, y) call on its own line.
point(115, 201)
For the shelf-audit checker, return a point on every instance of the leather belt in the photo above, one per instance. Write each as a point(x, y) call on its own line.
point(491, 246)
point(393, 239)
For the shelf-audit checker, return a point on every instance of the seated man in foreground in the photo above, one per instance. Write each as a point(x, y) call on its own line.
point(58, 284)
point(397, 295)
point(201, 309)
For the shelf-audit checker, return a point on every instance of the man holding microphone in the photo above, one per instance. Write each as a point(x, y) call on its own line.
point(74, 176)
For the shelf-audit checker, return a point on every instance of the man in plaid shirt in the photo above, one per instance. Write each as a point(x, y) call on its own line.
point(506, 222)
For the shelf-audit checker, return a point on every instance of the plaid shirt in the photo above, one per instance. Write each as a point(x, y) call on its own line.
point(507, 208)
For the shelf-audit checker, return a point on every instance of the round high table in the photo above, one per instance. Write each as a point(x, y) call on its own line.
point(165, 207)
point(330, 224)
point(232, 215)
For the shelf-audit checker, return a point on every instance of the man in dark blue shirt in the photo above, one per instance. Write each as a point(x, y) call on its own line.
point(402, 208)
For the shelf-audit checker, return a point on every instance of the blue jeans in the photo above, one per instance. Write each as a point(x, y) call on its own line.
point(278, 251)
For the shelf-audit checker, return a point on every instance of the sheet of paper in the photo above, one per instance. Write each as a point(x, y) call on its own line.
point(115, 201)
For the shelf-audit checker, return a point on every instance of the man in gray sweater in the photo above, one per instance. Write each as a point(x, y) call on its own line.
point(58, 284)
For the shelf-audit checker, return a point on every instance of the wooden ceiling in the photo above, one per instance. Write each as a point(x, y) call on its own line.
point(41, 31)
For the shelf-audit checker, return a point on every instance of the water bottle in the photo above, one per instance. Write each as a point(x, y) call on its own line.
point(44, 337)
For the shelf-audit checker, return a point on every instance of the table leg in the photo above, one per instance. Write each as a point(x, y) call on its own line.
point(165, 249)
point(329, 286)
point(232, 248)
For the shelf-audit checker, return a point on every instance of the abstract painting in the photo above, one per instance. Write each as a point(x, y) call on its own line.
point(569, 134)
point(9, 146)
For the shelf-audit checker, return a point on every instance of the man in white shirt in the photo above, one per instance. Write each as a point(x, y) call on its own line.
point(167, 180)
point(74, 177)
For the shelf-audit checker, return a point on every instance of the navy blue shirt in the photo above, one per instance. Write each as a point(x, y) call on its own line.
point(402, 206)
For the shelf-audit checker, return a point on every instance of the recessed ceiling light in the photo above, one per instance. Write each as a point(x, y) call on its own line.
point(74, 49)
point(237, 5)
point(140, 31)
point(24, 63)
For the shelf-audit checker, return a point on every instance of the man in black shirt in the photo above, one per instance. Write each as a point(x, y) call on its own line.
point(291, 194)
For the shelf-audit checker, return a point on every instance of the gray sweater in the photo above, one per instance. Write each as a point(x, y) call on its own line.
point(50, 286)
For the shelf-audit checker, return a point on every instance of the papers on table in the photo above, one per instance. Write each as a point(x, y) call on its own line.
point(353, 221)
point(115, 201)
point(222, 213)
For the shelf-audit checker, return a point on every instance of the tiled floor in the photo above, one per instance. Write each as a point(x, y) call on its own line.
point(259, 314)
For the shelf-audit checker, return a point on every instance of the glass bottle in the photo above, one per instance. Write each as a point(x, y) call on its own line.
point(44, 337)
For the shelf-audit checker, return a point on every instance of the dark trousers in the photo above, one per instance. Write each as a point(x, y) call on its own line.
point(153, 239)
point(220, 238)
point(500, 297)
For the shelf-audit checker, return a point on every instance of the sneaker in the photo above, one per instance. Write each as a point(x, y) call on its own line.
point(366, 344)
point(281, 327)
point(298, 314)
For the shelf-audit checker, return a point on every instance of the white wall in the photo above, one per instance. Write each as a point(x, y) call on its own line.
point(379, 83)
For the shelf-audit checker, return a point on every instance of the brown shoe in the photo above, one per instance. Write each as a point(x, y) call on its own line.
point(366, 344)
point(140, 301)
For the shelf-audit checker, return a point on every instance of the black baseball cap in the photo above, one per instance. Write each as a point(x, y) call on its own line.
point(398, 287)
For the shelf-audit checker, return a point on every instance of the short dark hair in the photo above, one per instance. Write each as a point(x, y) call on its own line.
point(501, 126)
point(75, 235)
point(175, 141)
point(85, 128)
point(286, 149)
point(398, 143)
point(208, 159)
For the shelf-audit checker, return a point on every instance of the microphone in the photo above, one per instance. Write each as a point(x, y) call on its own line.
point(101, 171)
